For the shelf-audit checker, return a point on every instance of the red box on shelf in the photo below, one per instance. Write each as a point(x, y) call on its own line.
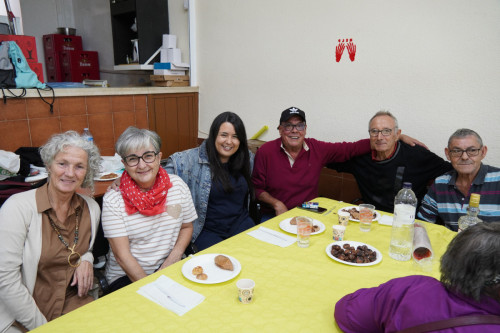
point(53, 61)
point(73, 60)
point(54, 75)
point(26, 43)
point(80, 74)
point(53, 67)
point(38, 69)
point(55, 43)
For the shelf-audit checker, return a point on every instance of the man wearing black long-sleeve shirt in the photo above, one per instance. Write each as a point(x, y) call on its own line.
point(380, 175)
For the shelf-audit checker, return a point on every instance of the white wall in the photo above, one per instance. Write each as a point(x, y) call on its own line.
point(434, 64)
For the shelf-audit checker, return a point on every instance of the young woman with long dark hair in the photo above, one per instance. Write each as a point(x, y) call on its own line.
point(218, 173)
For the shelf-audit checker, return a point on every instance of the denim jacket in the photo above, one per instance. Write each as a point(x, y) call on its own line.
point(193, 167)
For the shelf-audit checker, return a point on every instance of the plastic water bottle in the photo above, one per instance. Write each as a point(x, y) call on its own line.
point(87, 135)
point(472, 211)
point(405, 205)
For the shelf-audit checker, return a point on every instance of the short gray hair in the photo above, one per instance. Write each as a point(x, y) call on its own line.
point(59, 142)
point(471, 264)
point(134, 138)
point(384, 113)
point(464, 132)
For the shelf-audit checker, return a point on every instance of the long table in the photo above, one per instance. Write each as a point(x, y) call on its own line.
point(296, 288)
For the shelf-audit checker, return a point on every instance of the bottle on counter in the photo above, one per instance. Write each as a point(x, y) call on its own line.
point(405, 205)
point(472, 211)
point(87, 135)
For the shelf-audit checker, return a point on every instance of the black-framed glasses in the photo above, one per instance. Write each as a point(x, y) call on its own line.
point(133, 160)
point(459, 152)
point(385, 132)
point(289, 127)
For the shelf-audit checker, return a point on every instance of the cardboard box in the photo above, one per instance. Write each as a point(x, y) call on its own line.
point(26, 43)
point(170, 80)
point(171, 66)
point(169, 41)
point(170, 55)
point(168, 72)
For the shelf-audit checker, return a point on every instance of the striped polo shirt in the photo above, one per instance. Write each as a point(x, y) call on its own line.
point(445, 202)
point(151, 238)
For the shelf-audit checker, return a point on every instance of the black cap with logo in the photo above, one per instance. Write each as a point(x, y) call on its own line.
point(290, 112)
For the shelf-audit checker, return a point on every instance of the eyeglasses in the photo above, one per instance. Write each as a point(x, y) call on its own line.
point(289, 127)
point(133, 160)
point(385, 132)
point(459, 152)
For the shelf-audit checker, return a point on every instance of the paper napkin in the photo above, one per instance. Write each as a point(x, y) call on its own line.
point(171, 295)
point(272, 236)
point(385, 220)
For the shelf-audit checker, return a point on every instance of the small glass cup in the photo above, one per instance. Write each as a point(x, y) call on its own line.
point(366, 217)
point(304, 229)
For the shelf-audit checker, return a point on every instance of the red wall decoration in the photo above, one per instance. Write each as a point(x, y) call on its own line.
point(345, 43)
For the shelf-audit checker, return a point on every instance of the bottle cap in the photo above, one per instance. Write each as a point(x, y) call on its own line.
point(406, 185)
point(85, 129)
point(474, 200)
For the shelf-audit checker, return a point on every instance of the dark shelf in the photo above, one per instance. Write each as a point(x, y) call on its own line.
point(152, 23)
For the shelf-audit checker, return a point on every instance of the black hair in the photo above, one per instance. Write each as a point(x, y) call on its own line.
point(239, 162)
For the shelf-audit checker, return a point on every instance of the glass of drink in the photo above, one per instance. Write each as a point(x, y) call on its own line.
point(366, 216)
point(304, 229)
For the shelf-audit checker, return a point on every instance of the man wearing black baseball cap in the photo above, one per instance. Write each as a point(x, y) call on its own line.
point(286, 170)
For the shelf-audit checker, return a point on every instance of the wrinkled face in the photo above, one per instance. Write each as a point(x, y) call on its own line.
point(68, 170)
point(144, 174)
point(294, 138)
point(380, 143)
point(465, 164)
point(227, 142)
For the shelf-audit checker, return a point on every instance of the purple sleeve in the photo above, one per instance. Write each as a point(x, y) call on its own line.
point(356, 312)
point(386, 308)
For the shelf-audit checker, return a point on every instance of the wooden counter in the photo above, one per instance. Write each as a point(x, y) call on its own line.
point(170, 111)
point(115, 91)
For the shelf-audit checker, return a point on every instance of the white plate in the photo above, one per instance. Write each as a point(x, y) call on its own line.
point(286, 226)
point(377, 214)
point(98, 178)
point(214, 273)
point(355, 245)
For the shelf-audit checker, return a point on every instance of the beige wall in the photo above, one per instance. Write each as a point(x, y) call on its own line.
point(434, 64)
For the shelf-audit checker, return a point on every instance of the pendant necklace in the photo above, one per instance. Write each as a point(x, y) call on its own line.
point(73, 253)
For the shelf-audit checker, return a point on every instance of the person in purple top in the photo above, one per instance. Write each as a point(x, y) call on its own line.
point(470, 285)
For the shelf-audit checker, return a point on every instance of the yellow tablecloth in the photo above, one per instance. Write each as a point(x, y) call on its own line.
point(296, 288)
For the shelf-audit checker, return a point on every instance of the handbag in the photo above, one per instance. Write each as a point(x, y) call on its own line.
point(453, 322)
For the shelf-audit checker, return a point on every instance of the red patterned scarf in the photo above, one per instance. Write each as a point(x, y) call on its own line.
point(147, 203)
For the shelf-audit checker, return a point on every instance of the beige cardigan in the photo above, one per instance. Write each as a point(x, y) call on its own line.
point(21, 246)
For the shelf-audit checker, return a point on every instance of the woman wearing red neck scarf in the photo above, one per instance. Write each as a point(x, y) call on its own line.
point(148, 223)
